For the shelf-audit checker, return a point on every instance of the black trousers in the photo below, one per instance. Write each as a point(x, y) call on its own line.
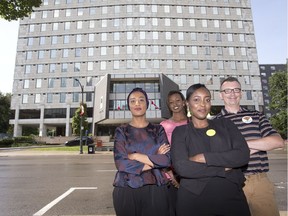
point(149, 200)
point(219, 198)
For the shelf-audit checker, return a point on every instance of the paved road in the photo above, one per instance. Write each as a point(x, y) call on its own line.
point(37, 183)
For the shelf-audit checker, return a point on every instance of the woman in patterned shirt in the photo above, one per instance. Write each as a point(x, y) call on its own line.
point(141, 152)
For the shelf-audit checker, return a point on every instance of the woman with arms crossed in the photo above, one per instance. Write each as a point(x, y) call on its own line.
point(141, 152)
point(177, 106)
point(207, 157)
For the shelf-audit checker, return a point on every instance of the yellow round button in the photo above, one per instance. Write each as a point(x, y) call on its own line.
point(210, 132)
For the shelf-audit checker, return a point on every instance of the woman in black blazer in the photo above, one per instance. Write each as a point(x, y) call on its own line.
point(207, 155)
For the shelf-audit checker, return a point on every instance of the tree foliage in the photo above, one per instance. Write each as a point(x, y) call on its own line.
point(76, 121)
point(5, 101)
point(278, 93)
point(17, 9)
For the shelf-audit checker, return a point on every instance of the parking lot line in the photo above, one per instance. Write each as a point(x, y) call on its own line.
point(58, 199)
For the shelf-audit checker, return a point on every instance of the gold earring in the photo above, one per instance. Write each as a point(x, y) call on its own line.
point(189, 114)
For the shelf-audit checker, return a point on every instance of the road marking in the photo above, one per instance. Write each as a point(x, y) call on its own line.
point(58, 199)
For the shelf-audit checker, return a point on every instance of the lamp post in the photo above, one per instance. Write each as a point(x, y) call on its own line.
point(81, 117)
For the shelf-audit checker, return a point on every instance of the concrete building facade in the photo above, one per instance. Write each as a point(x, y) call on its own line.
point(111, 46)
point(266, 71)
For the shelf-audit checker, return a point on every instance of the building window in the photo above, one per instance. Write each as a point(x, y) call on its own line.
point(38, 83)
point(103, 65)
point(68, 12)
point(24, 98)
point(40, 68)
point(43, 27)
point(77, 66)
point(79, 24)
point(67, 25)
point(191, 9)
point(216, 24)
point(55, 26)
point(104, 37)
point(78, 52)
point(169, 64)
point(80, 12)
point(53, 53)
point(195, 64)
point(167, 22)
point(62, 97)
point(179, 9)
point(166, 9)
point(27, 69)
point(116, 50)
point(78, 38)
point(194, 50)
point(116, 65)
point(88, 96)
point(228, 24)
point(40, 54)
point(51, 83)
point(168, 35)
point(116, 36)
point(249, 95)
point(103, 51)
point(204, 23)
point(29, 55)
point(49, 97)
point(220, 65)
point(37, 98)
point(154, 22)
point(56, 13)
point(65, 53)
point(63, 82)
point(91, 37)
point(26, 84)
point(75, 97)
point(64, 67)
point(52, 68)
point(90, 66)
point(54, 39)
point(89, 81)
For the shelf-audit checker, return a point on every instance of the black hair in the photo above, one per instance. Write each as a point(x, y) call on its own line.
point(193, 88)
point(138, 90)
point(172, 92)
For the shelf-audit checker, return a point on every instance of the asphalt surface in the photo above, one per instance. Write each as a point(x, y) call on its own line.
point(278, 174)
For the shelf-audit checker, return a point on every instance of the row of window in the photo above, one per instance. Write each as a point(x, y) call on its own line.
point(167, 22)
point(142, 8)
point(125, 87)
point(153, 35)
point(146, 64)
point(52, 97)
point(138, 50)
point(113, 104)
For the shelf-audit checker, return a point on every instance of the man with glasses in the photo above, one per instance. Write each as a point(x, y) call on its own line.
point(260, 137)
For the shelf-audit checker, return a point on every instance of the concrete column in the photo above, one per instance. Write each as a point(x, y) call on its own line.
point(42, 128)
point(67, 128)
point(17, 128)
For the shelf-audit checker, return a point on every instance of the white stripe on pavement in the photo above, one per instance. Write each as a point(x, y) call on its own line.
point(54, 202)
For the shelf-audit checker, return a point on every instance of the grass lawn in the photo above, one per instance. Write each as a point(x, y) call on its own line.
point(60, 148)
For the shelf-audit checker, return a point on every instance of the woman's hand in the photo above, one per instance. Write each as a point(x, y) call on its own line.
point(200, 158)
point(163, 149)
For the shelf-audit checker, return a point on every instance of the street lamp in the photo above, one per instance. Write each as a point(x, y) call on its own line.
point(81, 117)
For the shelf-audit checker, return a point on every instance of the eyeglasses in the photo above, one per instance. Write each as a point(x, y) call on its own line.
point(228, 91)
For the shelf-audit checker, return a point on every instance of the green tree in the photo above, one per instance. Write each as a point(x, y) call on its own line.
point(5, 101)
point(76, 121)
point(15, 9)
point(278, 93)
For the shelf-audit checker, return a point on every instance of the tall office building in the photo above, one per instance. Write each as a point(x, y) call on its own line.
point(111, 46)
point(266, 71)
